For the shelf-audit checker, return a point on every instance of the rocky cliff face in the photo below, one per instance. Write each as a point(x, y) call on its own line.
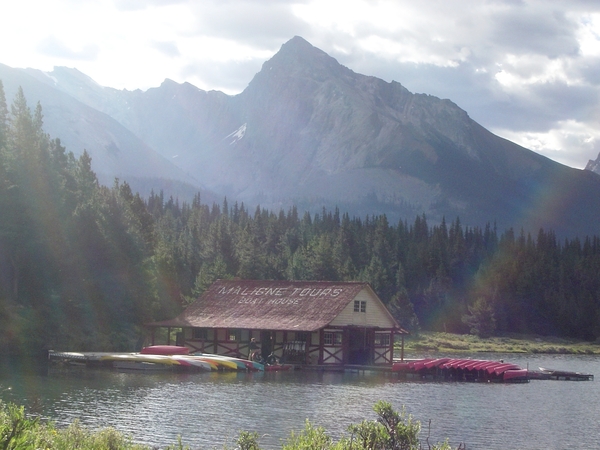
point(594, 166)
point(310, 132)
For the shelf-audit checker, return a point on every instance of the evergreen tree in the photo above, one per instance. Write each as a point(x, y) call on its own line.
point(481, 319)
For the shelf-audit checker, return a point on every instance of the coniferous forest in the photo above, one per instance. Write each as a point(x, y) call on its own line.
point(84, 266)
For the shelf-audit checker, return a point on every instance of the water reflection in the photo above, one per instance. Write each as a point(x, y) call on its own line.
point(209, 409)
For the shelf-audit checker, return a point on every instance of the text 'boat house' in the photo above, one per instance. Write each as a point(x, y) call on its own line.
point(332, 324)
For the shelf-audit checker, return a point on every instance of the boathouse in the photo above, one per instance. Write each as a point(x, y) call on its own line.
point(320, 323)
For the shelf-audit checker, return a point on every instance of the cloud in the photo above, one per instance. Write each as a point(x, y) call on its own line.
point(225, 76)
point(534, 30)
point(527, 68)
point(589, 71)
point(137, 5)
point(520, 68)
point(169, 49)
point(262, 24)
point(570, 143)
point(53, 47)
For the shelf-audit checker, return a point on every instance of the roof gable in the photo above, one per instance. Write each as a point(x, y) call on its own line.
point(270, 305)
point(374, 315)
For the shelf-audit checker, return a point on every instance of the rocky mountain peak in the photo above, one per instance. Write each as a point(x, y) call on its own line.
point(298, 59)
point(594, 165)
point(310, 132)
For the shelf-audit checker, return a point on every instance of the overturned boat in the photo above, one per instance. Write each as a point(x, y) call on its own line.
point(564, 375)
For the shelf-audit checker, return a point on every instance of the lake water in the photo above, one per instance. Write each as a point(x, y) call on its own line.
point(209, 409)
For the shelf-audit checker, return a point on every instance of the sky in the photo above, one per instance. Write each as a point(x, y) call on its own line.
point(527, 70)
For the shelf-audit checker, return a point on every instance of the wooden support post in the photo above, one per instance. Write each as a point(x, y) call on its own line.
point(321, 344)
point(402, 349)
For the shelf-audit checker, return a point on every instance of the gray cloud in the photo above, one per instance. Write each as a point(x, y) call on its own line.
point(169, 49)
point(537, 34)
point(262, 24)
point(589, 70)
point(53, 47)
point(546, 79)
point(539, 31)
point(136, 5)
point(226, 76)
point(566, 101)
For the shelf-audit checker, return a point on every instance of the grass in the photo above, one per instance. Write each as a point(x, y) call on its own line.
point(432, 342)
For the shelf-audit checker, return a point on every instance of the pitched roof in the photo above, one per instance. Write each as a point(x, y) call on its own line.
point(268, 305)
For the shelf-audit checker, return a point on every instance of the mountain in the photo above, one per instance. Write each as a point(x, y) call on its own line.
point(311, 132)
point(115, 150)
point(594, 165)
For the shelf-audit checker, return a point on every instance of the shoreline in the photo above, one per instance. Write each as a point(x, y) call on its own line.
point(432, 342)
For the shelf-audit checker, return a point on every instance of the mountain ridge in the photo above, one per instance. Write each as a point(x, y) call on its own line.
point(309, 131)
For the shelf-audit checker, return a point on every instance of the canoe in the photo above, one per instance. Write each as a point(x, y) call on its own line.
point(277, 367)
point(140, 365)
point(566, 375)
point(435, 363)
point(244, 364)
point(165, 350)
point(516, 375)
point(219, 362)
point(400, 366)
point(199, 363)
point(138, 357)
point(419, 364)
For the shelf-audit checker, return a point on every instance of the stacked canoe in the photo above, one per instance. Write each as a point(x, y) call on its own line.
point(160, 357)
point(452, 369)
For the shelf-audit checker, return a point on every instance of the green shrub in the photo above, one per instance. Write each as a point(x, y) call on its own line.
point(16, 431)
point(248, 441)
point(391, 430)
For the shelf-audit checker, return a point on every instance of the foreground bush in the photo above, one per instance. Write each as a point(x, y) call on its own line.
point(391, 430)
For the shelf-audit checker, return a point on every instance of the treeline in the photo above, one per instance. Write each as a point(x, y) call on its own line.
point(444, 277)
point(84, 266)
point(78, 264)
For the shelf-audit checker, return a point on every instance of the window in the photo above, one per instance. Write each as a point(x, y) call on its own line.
point(332, 338)
point(382, 339)
point(234, 335)
point(200, 334)
point(360, 306)
point(302, 337)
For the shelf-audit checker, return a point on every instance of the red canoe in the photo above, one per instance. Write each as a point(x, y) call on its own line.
point(165, 350)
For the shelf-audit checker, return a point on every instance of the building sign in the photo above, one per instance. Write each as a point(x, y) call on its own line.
point(277, 295)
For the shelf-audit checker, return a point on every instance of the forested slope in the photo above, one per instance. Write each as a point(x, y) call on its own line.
point(83, 267)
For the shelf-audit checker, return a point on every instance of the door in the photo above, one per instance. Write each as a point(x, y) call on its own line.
point(360, 346)
point(266, 343)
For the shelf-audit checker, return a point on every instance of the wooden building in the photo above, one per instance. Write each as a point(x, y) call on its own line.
point(332, 324)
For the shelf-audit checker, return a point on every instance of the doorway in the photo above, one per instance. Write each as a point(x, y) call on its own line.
point(360, 346)
point(267, 341)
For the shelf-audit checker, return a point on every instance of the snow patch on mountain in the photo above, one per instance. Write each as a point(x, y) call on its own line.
point(237, 134)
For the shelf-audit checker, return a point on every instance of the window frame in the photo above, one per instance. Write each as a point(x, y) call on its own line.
point(382, 340)
point(236, 333)
point(332, 338)
point(360, 306)
point(199, 334)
